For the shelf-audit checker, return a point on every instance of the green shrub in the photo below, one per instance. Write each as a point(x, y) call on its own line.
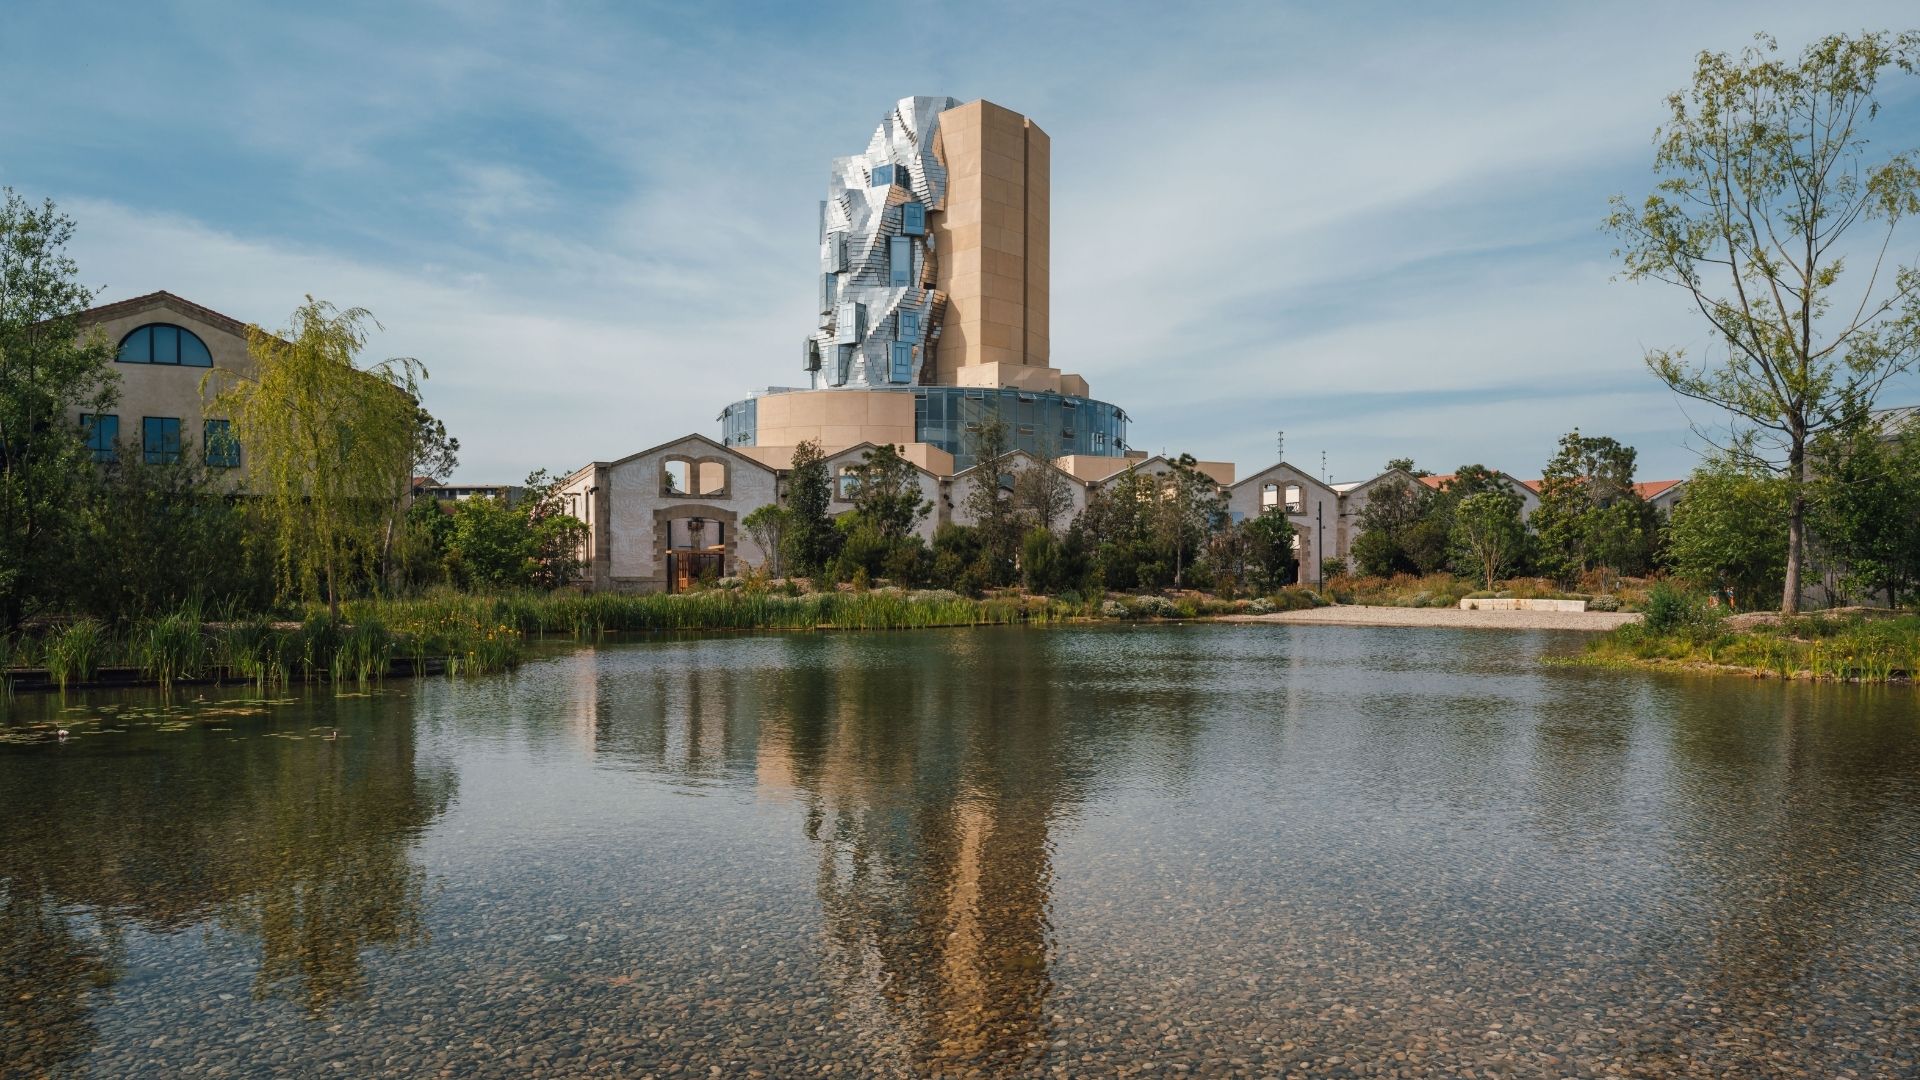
point(1676, 612)
point(1604, 603)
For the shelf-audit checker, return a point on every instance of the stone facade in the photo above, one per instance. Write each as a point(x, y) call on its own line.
point(635, 517)
point(1311, 506)
point(171, 391)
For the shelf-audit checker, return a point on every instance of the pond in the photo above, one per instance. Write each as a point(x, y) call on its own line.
point(1242, 850)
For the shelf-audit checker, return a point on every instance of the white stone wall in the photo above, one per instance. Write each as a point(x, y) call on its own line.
point(638, 506)
point(1245, 501)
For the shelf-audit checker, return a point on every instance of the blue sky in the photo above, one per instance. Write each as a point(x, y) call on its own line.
point(1373, 226)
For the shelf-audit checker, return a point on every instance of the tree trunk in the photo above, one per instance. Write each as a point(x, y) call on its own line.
point(333, 595)
point(1796, 523)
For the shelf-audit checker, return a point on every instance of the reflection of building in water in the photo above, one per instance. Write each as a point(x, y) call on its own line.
point(933, 824)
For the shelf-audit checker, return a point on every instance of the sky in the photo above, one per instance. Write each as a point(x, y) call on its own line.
point(1374, 227)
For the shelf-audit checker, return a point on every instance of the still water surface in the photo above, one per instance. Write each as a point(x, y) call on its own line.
point(1243, 849)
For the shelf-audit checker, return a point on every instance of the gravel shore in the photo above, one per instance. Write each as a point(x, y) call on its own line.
point(1359, 615)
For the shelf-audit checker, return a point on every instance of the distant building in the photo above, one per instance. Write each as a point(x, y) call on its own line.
point(426, 487)
point(932, 318)
point(165, 347)
point(933, 303)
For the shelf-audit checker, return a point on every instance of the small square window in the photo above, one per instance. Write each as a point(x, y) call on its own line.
point(913, 219)
point(102, 432)
point(902, 362)
point(910, 325)
point(223, 450)
point(160, 439)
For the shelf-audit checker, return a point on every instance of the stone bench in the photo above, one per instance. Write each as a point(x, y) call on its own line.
point(1511, 604)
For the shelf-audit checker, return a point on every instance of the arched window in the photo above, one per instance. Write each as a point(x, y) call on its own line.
point(1269, 497)
point(689, 476)
point(164, 343)
point(676, 477)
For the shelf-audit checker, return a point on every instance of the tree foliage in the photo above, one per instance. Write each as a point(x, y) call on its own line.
point(1487, 528)
point(1729, 531)
point(1768, 186)
point(810, 532)
point(332, 443)
point(1865, 505)
point(1269, 553)
point(1389, 528)
point(989, 497)
point(48, 373)
point(887, 493)
point(768, 526)
point(529, 542)
point(1590, 514)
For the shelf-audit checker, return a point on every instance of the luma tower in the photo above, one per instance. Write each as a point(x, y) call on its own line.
point(933, 290)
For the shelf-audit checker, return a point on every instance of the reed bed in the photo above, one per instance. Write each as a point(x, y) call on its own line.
point(478, 634)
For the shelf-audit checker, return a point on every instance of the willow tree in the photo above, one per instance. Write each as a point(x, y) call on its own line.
point(330, 443)
point(1769, 187)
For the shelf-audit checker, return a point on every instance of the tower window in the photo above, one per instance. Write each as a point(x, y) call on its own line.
point(913, 219)
point(883, 176)
point(850, 324)
point(842, 364)
point(810, 356)
point(900, 261)
point(910, 326)
point(902, 362)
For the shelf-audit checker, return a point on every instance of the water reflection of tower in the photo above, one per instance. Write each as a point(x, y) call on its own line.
point(931, 799)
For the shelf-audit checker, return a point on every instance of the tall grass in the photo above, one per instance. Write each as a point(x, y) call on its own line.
point(73, 654)
point(172, 647)
point(456, 619)
point(364, 652)
point(259, 651)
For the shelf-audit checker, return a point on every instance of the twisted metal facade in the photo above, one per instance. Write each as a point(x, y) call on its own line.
point(879, 311)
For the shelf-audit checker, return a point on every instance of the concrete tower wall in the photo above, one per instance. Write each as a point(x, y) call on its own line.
point(992, 239)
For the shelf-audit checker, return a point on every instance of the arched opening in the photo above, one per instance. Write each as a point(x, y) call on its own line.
point(711, 478)
point(164, 343)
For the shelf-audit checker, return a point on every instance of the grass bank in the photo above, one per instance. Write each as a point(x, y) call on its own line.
point(1851, 647)
point(474, 634)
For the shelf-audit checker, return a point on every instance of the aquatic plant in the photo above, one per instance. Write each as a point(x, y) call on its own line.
point(73, 654)
point(171, 647)
point(364, 652)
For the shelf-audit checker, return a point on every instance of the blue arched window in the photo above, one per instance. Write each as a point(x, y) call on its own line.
point(164, 343)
